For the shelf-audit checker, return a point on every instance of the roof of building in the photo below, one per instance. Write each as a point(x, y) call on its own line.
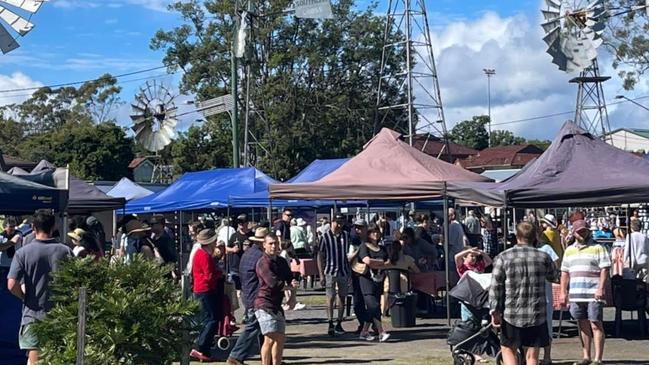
point(644, 133)
point(433, 146)
point(136, 162)
point(502, 156)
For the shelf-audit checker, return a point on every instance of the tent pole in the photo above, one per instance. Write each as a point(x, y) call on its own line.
point(448, 284)
point(505, 227)
point(270, 212)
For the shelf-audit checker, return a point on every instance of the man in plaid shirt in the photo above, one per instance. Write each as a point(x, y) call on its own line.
point(517, 296)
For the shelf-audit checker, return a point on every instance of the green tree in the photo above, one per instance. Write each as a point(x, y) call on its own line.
point(471, 133)
point(134, 314)
point(505, 138)
point(627, 38)
point(200, 148)
point(11, 135)
point(313, 83)
point(93, 151)
point(540, 143)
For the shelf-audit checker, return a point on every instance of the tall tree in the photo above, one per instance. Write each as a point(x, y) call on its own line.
point(312, 83)
point(471, 133)
point(505, 138)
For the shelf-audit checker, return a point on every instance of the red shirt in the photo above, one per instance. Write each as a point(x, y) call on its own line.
point(478, 267)
point(204, 272)
point(273, 273)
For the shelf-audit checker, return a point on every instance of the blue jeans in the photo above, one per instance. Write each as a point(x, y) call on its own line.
point(209, 319)
point(248, 338)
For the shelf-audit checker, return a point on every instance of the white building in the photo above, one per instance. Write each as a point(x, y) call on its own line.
point(630, 139)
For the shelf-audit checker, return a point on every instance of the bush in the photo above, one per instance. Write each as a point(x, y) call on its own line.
point(135, 314)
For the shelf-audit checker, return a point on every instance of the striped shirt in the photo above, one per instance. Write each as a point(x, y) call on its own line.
point(334, 248)
point(518, 285)
point(584, 264)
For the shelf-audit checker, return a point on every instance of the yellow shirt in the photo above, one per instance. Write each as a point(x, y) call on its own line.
point(552, 237)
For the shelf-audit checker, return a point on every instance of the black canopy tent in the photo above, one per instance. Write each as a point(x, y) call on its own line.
point(577, 169)
point(19, 196)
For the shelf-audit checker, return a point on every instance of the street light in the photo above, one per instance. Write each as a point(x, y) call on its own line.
point(633, 101)
point(489, 72)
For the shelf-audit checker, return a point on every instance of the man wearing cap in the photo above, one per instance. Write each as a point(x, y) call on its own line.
point(335, 271)
point(205, 279)
point(32, 266)
point(584, 275)
point(358, 237)
point(551, 235)
point(162, 241)
point(248, 339)
point(235, 249)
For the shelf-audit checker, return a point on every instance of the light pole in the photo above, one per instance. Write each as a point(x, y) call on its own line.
point(633, 101)
point(489, 72)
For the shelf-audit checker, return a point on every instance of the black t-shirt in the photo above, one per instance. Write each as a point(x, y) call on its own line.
point(234, 259)
point(372, 280)
point(423, 234)
point(166, 248)
point(285, 228)
point(11, 250)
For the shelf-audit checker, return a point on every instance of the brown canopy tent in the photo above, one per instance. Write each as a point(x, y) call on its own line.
point(386, 169)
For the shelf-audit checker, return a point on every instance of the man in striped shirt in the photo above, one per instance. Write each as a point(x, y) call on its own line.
point(584, 272)
point(334, 270)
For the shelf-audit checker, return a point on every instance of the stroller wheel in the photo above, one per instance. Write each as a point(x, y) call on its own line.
point(461, 357)
point(223, 343)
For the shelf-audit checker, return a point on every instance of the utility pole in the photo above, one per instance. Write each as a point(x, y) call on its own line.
point(235, 93)
point(489, 72)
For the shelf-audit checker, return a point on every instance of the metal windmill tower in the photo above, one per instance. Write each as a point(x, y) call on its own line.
point(407, 31)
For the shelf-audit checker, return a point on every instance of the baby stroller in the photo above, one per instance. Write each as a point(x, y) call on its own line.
point(473, 336)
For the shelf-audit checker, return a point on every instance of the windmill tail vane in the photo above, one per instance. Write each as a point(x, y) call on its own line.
point(15, 21)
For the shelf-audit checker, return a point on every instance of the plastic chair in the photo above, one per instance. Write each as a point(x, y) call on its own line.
point(629, 295)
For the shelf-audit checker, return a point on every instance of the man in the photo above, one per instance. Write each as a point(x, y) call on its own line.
point(33, 265)
point(472, 223)
point(225, 231)
point(584, 273)
point(335, 271)
point(205, 280)
point(162, 241)
point(358, 237)
point(636, 250)
point(10, 241)
point(249, 288)
point(282, 228)
point(551, 235)
point(234, 249)
point(517, 296)
point(273, 273)
point(456, 239)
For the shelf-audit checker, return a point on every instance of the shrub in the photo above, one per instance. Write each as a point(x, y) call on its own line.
point(135, 314)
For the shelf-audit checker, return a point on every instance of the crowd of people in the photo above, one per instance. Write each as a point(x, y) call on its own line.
point(247, 263)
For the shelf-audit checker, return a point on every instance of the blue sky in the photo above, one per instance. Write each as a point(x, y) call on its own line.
point(76, 40)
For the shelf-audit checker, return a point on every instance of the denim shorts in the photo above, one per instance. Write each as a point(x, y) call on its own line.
point(592, 311)
point(270, 322)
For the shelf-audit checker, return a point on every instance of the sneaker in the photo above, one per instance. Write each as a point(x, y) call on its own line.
point(366, 337)
point(199, 356)
point(584, 362)
point(339, 329)
point(331, 330)
point(299, 306)
point(384, 337)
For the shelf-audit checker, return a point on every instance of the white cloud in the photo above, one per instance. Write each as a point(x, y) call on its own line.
point(17, 80)
point(157, 5)
point(526, 83)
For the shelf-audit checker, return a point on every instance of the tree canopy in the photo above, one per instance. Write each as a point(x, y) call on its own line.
point(473, 133)
point(312, 83)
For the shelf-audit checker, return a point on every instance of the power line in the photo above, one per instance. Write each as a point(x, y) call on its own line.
point(81, 82)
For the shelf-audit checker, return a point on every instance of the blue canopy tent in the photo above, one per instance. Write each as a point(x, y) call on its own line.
point(203, 190)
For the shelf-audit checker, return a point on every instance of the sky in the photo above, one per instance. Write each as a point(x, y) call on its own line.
point(75, 40)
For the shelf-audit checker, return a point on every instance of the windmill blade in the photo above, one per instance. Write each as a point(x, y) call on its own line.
point(31, 6)
point(7, 41)
point(552, 36)
point(18, 23)
point(553, 4)
point(550, 15)
point(550, 25)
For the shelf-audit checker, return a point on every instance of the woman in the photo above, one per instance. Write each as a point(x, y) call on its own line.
point(489, 236)
point(423, 228)
point(84, 243)
point(397, 278)
point(273, 273)
point(545, 246)
point(371, 260)
point(193, 230)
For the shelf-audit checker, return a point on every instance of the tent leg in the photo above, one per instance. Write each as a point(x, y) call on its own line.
point(448, 284)
point(270, 211)
point(505, 228)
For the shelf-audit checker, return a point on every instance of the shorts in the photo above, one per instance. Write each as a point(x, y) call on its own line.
point(516, 337)
point(270, 322)
point(592, 311)
point(27, 338)
point(336, 284)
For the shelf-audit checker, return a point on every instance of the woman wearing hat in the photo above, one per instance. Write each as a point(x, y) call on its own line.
point(84, 243)
point(205, 282)
point(551, 235)
point(136, 240)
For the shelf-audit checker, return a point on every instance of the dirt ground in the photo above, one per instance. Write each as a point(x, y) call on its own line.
point(308, 343)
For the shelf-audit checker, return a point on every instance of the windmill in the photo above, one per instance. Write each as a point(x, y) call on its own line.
point(16, 23)
point(154, 123)
point(573, 32)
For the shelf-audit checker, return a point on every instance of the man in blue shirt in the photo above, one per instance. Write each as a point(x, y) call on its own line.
point(249, 287)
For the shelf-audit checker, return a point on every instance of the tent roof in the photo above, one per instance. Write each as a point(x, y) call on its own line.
point(576, 170)
point(203, 190)
point(23, 196)
point(386, 169)
point(127, 189)
point(43, 165)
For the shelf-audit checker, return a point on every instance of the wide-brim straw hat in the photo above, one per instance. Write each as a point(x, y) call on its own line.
point(206, 236)
point(550, 220)
point(260, 234)
point(135, 226)
point(76, 235)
